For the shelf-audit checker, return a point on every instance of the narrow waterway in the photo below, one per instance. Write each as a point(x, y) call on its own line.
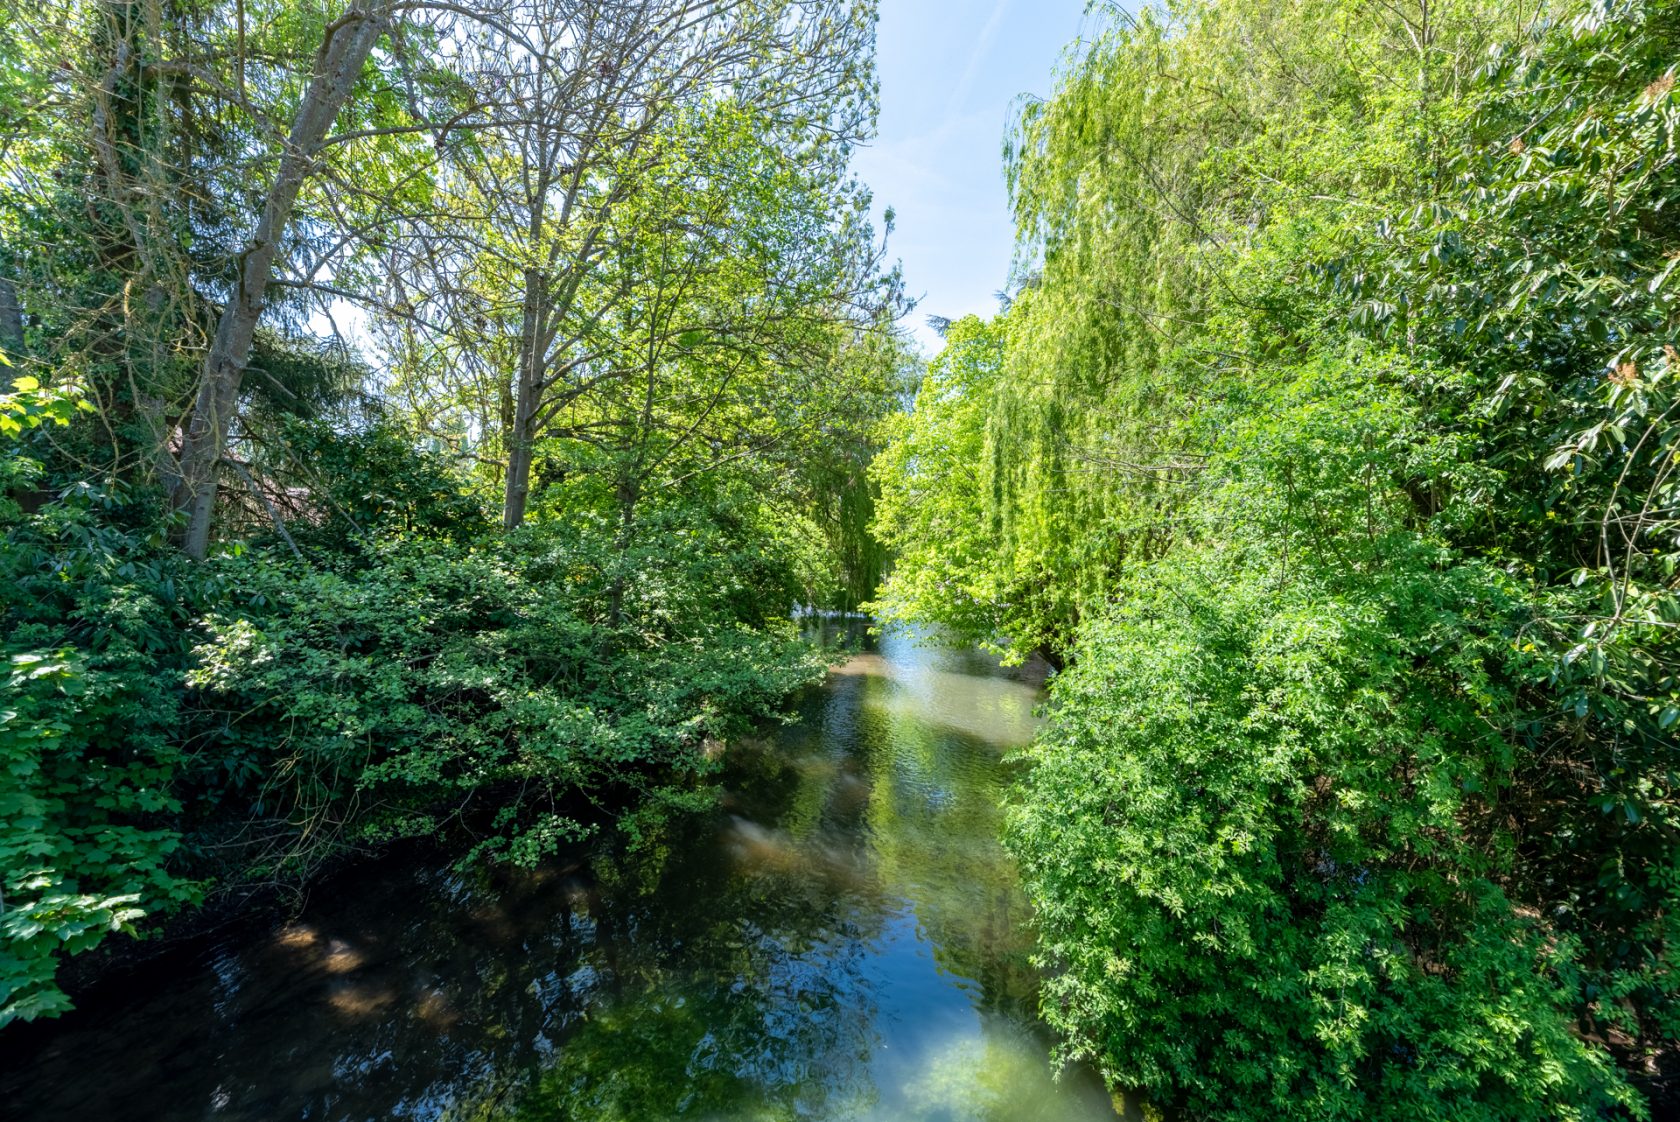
point(843, 938)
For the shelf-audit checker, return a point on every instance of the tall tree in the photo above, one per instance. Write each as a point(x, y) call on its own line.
point(344, 51)
point(603, 93)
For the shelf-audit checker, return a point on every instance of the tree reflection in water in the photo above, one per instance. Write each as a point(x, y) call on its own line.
point(860, 951)
point(840, 939)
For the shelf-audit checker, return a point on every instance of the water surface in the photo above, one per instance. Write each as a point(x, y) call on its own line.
point(841, 939)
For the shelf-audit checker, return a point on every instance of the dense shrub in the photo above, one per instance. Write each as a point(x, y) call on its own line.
point(91, 614)
point(430, 672)
point(173, 729)
point(1331, 441)
point(1268, 827)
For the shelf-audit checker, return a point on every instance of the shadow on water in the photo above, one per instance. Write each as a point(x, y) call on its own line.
point(843, 938)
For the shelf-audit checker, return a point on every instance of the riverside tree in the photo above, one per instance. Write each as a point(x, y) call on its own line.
point(351, 648)
point(1328, 440)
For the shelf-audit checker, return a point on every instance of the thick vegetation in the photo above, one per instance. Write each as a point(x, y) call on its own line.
point(1330, 441)
point(509, 553)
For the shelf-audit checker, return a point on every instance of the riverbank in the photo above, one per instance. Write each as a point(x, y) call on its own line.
point(841, 937)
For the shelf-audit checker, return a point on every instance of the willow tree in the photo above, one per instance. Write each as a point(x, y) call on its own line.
point(1335, 417)
point(1178, 138)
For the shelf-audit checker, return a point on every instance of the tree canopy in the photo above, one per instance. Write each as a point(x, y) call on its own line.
point(1328, 440)
point(425, 419)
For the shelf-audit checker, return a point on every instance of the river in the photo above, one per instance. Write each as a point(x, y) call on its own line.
point(843, 938)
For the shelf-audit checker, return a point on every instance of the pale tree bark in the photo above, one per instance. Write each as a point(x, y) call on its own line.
point(527, 400)
point(344, 50)
point(561, 107)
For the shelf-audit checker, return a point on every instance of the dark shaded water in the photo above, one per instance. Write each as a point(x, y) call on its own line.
point(842, 939)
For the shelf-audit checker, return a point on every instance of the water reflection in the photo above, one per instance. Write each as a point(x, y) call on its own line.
point(842, 939)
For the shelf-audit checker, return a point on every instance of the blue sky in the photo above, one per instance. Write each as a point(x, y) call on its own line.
point(950, 73)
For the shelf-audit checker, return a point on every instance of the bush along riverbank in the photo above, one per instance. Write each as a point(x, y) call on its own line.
point(178, 729)
point(1330, 438)
point(508, 547)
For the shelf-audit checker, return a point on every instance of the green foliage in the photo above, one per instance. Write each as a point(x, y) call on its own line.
point(171, 728)
point(1265, 827)
point(1331, 440)
point(28, 407)
point(1545, 276)
point(88, 841)
point(432, 672)
point(85, 764)
point(92, 616)
point(368, 484)
point(361, 658)
point(953, 565)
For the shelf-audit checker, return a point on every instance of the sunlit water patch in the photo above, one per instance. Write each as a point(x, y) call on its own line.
point(843, 939)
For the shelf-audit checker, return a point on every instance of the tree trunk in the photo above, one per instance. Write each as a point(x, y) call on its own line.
point(517, 492)
point(338, 64)
point(629, 490)
point(11, 321)
point(527, 400)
